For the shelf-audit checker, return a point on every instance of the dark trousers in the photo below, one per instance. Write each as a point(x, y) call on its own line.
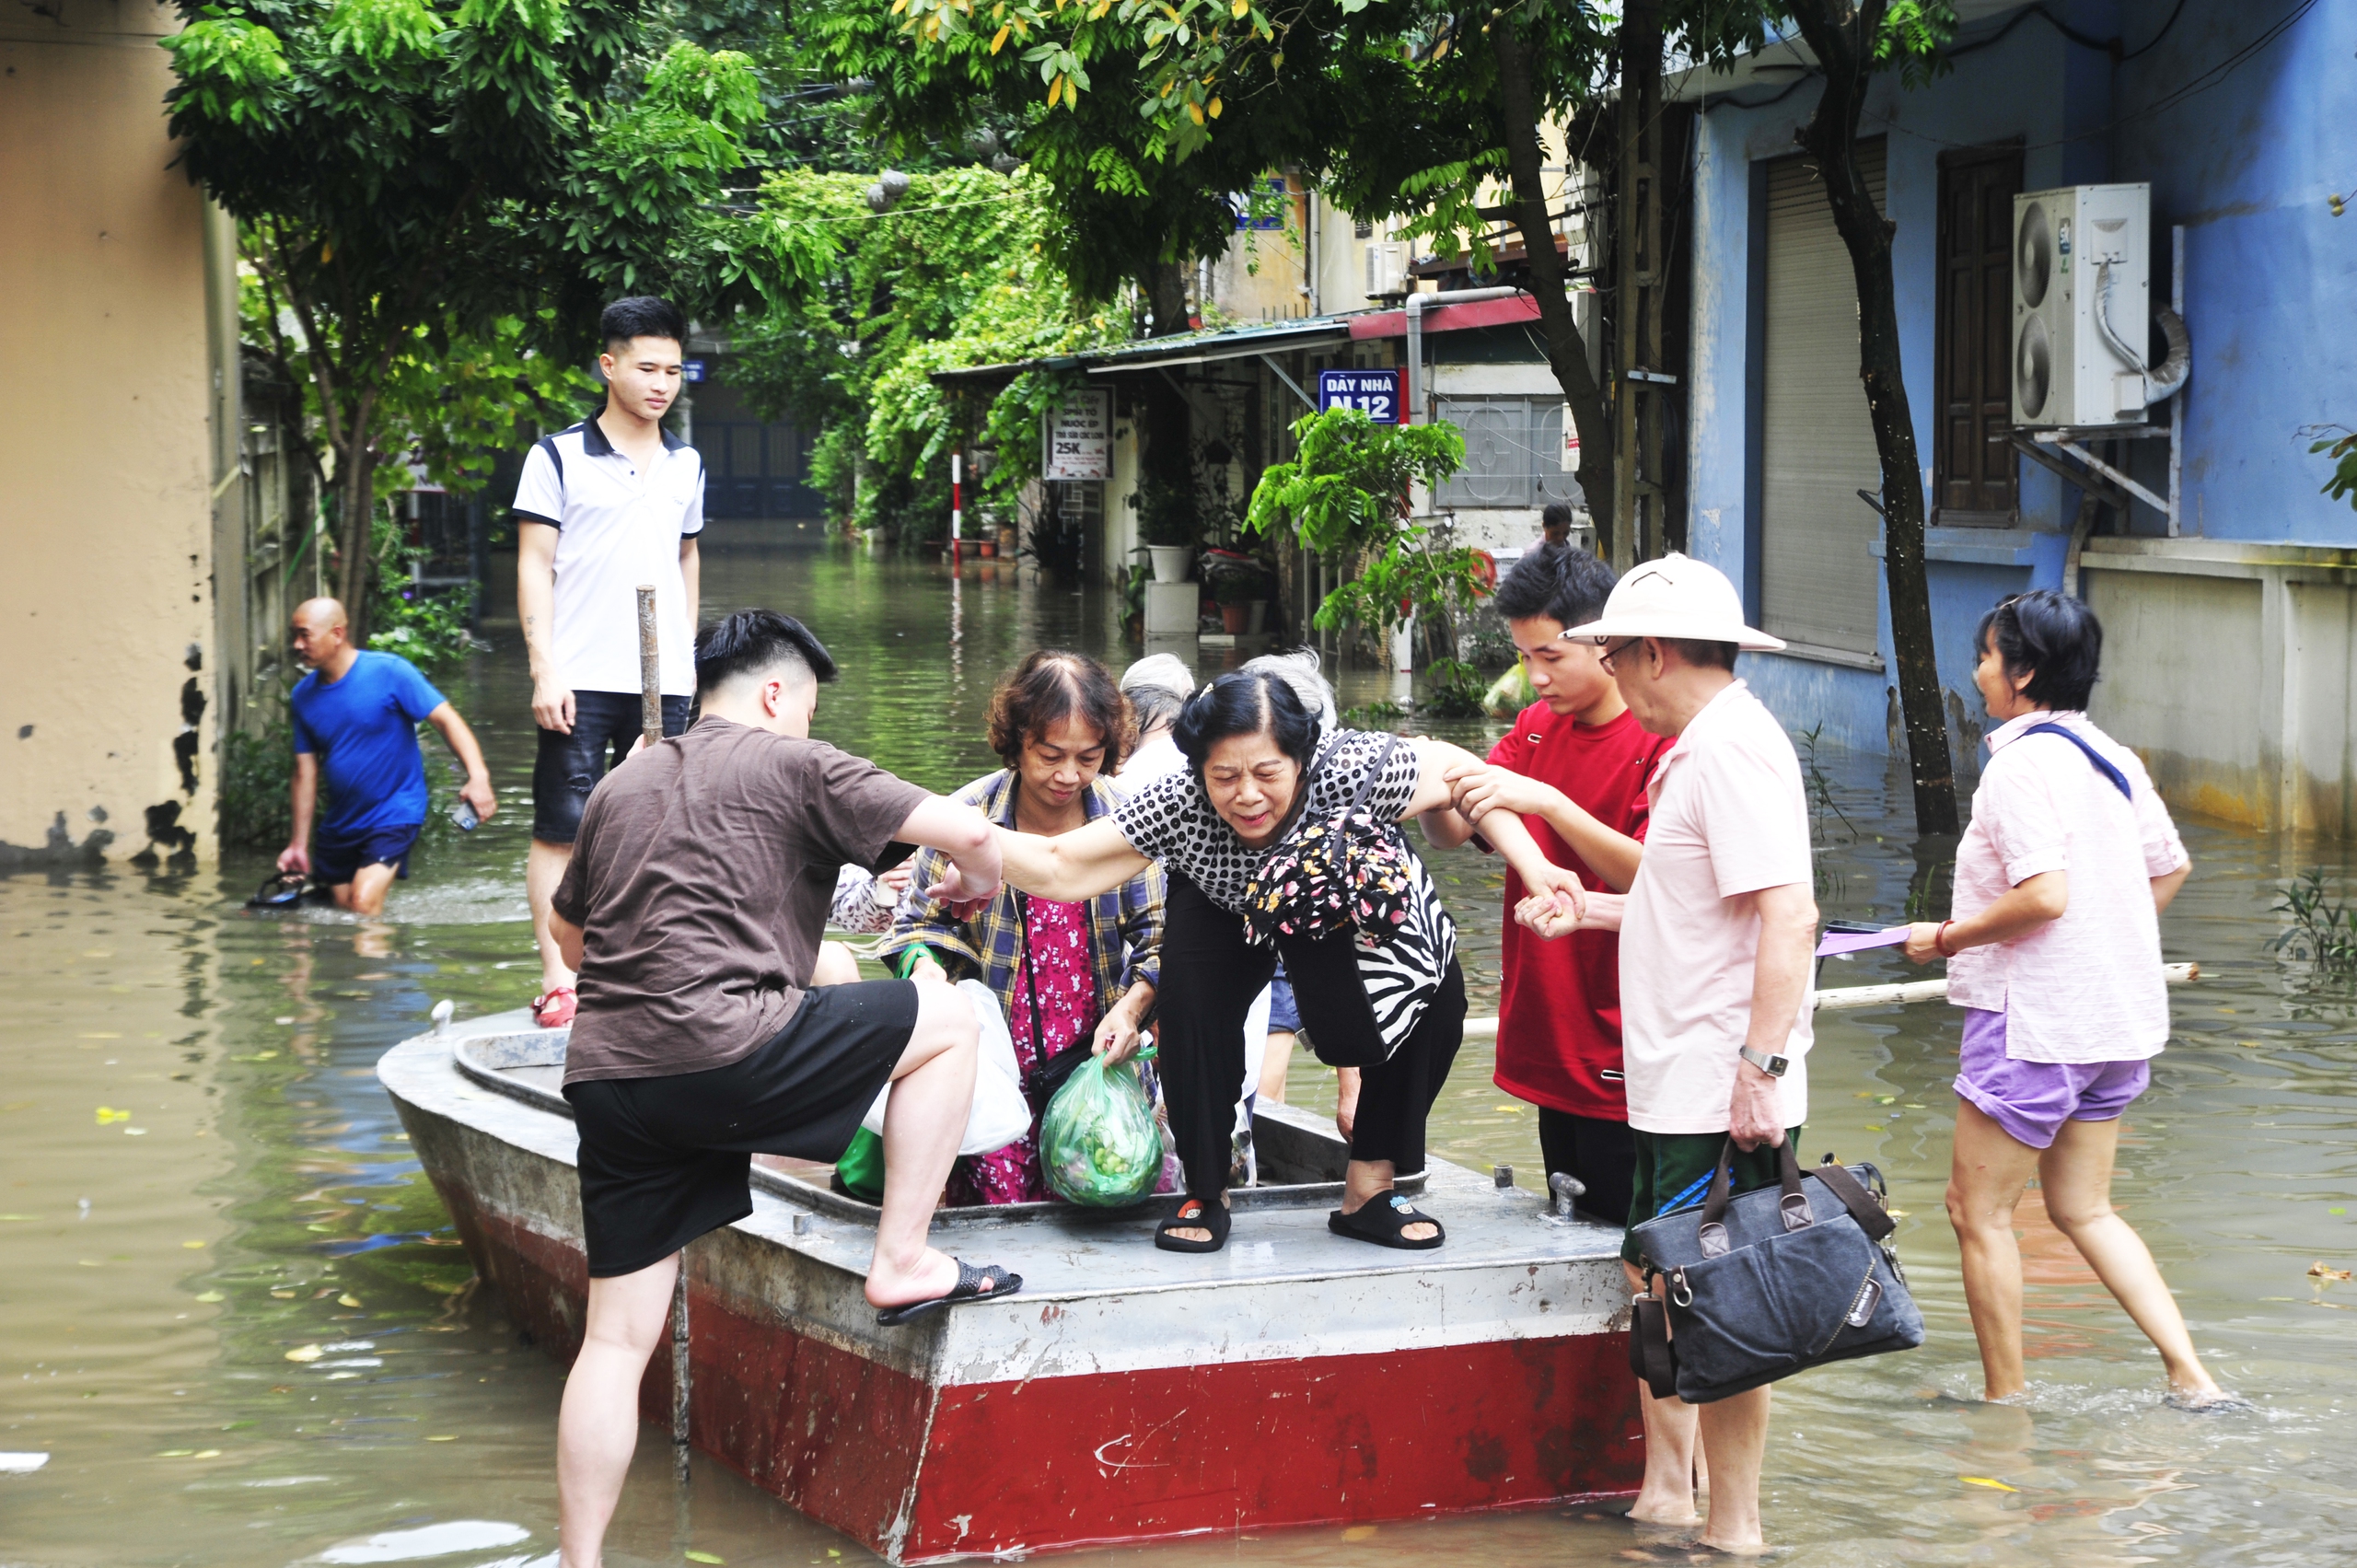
point(1210, 976)
point(1601, 1152)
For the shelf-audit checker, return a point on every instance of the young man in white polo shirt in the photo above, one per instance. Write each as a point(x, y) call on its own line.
point(1716, 934)
point(609, 503)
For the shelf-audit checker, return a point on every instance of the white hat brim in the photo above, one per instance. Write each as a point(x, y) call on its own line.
point(1686, 628)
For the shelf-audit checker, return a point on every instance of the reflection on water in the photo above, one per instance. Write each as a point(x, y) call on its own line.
point(235, 1318)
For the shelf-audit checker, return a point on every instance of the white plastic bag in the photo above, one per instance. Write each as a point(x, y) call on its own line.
point(1000, 1113)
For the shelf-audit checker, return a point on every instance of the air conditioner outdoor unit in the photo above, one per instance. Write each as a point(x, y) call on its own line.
point(1387, 269)
point(2082, 306)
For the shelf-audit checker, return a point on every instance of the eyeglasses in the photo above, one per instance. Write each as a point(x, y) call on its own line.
point(1606, 656)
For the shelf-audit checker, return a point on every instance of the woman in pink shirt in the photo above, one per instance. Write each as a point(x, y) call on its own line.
point(2054, 952)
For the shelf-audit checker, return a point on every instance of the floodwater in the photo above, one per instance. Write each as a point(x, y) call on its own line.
point(235, 1327)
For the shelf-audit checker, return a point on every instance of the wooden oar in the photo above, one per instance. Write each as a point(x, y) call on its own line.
point(1842, 996)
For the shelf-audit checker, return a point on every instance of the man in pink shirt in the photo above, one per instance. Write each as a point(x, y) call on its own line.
point(1715, 936)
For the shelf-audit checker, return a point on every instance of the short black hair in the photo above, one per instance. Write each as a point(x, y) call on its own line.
point(1246, 701)
point(2052, 637)
point(754, 642)
point(642, 316)
point(1555, 515)
point(1565, 585)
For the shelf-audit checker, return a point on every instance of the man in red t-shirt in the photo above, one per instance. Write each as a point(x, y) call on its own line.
point(1573, 767)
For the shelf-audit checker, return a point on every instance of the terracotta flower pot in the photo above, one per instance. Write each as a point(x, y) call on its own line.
point(1234, 617)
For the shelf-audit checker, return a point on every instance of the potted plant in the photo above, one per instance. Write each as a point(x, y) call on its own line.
point(1235, 593)
point(1168, 526)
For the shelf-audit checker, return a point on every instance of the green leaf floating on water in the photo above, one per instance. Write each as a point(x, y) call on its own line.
point(704, 1556)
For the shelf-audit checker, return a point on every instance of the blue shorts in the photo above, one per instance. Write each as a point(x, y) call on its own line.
point(335, 861)
point(1284, 1013)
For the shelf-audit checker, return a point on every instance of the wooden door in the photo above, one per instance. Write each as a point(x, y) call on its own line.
point(1975, 470)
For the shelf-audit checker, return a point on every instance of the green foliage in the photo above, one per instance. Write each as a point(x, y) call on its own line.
point(1453, 690)
point(1347, 487)
point(871, 306)
point(407, 173)
point(1914, 37)
point(257, 779)
point(2339, 444)
point(1410, 577)
point(1168, 514)
point(427, 629)
point(2323, 929)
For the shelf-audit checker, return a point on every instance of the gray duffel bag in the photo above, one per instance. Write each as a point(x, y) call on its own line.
point(1746, 1290)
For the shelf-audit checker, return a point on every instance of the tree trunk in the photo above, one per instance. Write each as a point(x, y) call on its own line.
point(1566, 352)
point(1842, 40)
point(1165, 295)
point(355, 522)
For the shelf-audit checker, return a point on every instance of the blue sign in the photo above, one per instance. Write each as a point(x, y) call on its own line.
point(1375, 393)
point(1273, 199)
point(692, 370)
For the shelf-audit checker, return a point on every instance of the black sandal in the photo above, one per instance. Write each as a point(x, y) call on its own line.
point(1210, 1216)
point(969, 1287)
point(1383, 1219)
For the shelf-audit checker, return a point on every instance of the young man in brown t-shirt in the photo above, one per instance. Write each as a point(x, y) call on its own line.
point(692, 910)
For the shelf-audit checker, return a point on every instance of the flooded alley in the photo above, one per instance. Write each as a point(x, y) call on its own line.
point(242, 1332)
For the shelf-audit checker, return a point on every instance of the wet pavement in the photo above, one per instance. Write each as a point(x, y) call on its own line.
point(234, 1319)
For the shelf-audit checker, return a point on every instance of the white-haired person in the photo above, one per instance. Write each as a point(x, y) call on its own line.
point(1157, 686)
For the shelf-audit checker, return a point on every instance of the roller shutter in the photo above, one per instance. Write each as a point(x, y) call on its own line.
point(1818, 579)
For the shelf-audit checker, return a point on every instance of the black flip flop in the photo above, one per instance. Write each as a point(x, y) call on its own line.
point(1382, 1219)
point(283, 890)
point(969, 1287)
point(1208, 1215)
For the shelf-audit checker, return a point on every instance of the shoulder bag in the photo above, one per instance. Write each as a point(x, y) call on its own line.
point(1749, 1289)
point(1342, 872)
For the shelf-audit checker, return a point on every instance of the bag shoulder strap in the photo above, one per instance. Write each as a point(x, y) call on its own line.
point(1872, 1217)
point(2103, 763)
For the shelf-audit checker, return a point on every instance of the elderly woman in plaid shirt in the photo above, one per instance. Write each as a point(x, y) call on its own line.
point(1069, 974)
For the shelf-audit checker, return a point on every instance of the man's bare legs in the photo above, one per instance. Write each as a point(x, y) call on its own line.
point(1667, 1495)
point(365, 894)
point(834, 966)
point(1734, 1436)
point(1275, 1058)
point(544, 869)
point(933, 1093)
point(1992, 1168)
point(596, 1424)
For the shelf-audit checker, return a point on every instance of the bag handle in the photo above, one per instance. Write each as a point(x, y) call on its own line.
point(1374, 775)
point(1794, 1204)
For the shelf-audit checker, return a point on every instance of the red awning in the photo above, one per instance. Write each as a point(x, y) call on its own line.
point(1446, 317)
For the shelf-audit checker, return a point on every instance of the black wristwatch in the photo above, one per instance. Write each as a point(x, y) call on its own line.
point(1775, 1066)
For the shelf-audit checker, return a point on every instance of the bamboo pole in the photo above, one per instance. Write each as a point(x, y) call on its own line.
point(650, 669)
point(1841, 997)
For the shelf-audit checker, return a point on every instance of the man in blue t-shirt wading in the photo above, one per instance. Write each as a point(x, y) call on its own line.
point(355, 721)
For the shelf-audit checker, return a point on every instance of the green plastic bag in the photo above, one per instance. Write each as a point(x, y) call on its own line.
point(861, 1168)
point(1099, 1142)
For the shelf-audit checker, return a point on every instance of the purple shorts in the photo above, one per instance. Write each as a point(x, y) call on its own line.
point(2030, 1100)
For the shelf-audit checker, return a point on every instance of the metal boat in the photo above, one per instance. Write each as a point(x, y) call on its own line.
point(1125, 1394)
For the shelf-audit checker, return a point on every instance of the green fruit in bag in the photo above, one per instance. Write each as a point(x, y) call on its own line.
point(1099, 1142)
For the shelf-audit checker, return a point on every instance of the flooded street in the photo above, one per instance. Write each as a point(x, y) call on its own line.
point(233, 1318)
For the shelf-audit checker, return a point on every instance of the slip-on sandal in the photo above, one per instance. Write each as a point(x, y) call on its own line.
point(1381, 1220)
point(969, 1287)
point(553, 1008)
point(1193, 1213)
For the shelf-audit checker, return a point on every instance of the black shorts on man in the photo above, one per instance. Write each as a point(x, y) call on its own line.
point(663, 1160)
point(335, 862)
point(605, 726)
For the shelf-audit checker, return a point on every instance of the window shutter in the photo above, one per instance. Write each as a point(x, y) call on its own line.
point(1818, 578)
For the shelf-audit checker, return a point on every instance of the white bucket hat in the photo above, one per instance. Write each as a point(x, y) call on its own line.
point(1675, 596)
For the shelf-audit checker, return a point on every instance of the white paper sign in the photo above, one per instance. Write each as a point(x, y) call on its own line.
point(1080, 438)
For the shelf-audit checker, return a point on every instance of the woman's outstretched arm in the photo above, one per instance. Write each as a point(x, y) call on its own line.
point(1069, 868)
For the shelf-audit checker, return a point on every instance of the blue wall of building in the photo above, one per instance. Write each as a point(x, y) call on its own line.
point(2244, 164)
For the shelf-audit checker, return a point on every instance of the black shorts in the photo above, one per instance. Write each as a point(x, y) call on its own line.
point(663, 1160)
point(336, 861)
point(1601, 1153)
point(569, 766)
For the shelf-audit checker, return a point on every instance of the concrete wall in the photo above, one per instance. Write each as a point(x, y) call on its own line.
point(107, 614)
point(2245, 165)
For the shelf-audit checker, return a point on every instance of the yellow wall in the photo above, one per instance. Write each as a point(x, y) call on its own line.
point(107, 597)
